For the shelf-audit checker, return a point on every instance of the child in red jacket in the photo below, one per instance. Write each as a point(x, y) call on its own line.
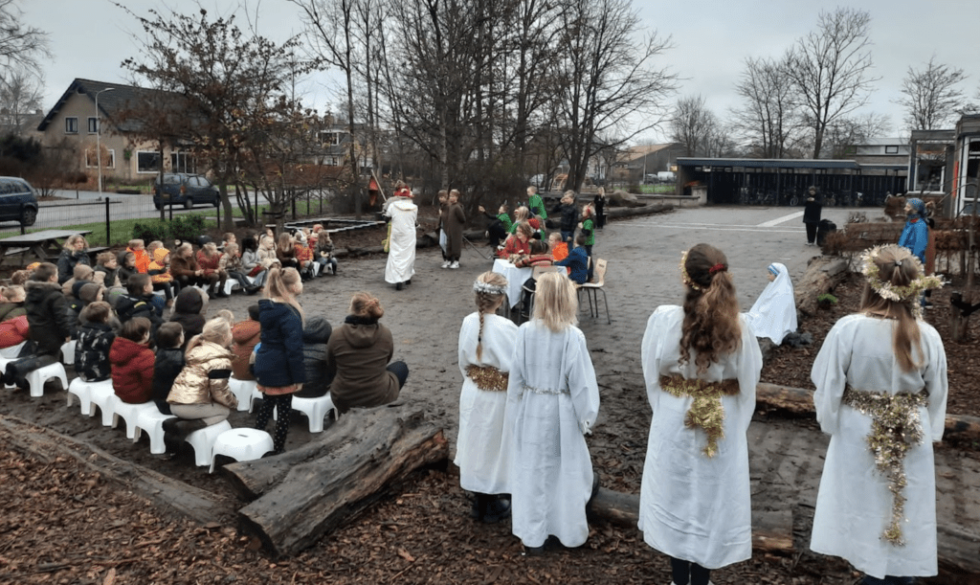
point(132, 362)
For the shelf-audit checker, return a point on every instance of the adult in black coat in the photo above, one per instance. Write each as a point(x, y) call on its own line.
point(569, 217)
point(74, 252)
point(811, 215)
point(47, 317)
point(600, 208)
point(316, 334)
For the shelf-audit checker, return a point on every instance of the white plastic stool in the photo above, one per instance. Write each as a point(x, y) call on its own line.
point(82, 390)
point(103, 395)
point(68, 352)
point(230, 285)
point(151, 423)
point(130, 413)
point(243, 390)
point(241, 445)
point(315, 409)
point(203, 441)
point(13, 351)
point(38, 377)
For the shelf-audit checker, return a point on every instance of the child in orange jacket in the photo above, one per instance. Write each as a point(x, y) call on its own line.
point(142, 258)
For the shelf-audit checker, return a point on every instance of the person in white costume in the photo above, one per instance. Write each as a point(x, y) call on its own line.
point(701, 363)
point(883, 405)
point(774, 313)
point(401, 243)
point(552, 403)
point(486, 346)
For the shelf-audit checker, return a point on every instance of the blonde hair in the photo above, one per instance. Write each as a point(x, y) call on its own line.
point(364, 304)
point(893, 268)
point(278, 287)
point(152, 246)
point(183, 248)
point(104, 257)
point(72, 239)
point(13, 291)
point(526, 229)
point(488, 303)
point(217, 330)
point(209, 249)
point(226, 315)
point(555, 303)
point(711, 325)
point(136, 242)
point(285, 243)
point(231, 248)
point(521, 214)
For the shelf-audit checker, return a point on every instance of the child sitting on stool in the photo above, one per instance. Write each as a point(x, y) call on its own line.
point(47, 316)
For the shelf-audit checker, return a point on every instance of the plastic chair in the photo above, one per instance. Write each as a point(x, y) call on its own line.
point(37, 378)
point(203, 441)
point(82, 390)
point(68, 352)
point(243, 391)
point(592, 288)
point(241, 445)
point(151, 422)
point(315, 409)
point(130, 413)
point(11, 353)
point(230, 285)
point(104, 396)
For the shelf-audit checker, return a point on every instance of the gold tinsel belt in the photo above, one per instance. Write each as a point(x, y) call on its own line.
point(487, 378)
point(706, 412)
point(895, 428)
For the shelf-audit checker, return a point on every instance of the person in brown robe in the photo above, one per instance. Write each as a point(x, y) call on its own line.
point(453, 224)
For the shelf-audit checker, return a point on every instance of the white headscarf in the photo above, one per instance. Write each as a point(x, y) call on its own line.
point(774, 313)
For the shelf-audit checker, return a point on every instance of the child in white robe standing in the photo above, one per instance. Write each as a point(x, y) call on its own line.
point(701, 363)
point(883, 404)
point(552, 403)
point(774, 313)
point(486, 346)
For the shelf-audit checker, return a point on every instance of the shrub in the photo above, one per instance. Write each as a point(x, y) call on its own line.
point(186, 227)
point(827, 300)
point(150, 230)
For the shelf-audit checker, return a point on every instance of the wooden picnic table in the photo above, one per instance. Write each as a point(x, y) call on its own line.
point(45, 245)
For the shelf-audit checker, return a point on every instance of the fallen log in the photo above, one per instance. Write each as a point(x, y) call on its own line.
point(383, 447)
point(170, 495)
point(821, 276)
point(772, 530)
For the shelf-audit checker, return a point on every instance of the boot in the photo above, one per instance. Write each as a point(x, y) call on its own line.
point(595, 492)
point(497, 509)
point(252, 289)
point(476, 510)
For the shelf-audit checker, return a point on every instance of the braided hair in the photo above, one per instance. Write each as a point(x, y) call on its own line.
point(488, 299)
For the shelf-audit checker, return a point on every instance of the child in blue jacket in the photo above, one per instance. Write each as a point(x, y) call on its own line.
point(577, 261)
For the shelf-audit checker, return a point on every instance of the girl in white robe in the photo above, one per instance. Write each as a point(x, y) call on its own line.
point(486, 346)
point(856, 373)
point(774, 313)
point(401, 245)
point(695, 503)
point(552, 403)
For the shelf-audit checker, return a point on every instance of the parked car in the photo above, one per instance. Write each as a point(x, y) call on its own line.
point(184, 189)
point(18, 201)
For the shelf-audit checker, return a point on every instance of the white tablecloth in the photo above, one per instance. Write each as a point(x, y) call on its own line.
point(515, 279)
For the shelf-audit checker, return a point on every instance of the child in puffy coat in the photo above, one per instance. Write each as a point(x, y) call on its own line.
point(95, 338)
point(201, 391)
point(160, 276)
point(132, 362)
point(14, 331)
point(316, 334)
point(169, 363)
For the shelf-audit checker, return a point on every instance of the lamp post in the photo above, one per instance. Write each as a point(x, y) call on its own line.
point(98, 135)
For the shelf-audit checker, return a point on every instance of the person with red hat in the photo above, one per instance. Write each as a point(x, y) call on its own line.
point(403, 214)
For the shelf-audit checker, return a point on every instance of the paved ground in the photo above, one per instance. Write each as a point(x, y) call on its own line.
point(643, 254)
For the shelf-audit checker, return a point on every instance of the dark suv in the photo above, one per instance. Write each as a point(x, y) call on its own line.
point(17, 201)
point(185, 189)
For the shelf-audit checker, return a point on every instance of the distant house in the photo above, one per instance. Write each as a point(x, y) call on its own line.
point(947, 162)
point(635, 163)
point(126, 155)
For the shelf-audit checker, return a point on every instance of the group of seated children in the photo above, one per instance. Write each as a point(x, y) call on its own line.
point(301, 250)
point(564, 247)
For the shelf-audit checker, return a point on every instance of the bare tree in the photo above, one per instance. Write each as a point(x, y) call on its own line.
point(830, 69)
point(20, 45)
point(693, 125)
point(769, 116)
point(931, 96)
point(608, 85)
point(20, 95)
point(845, 134)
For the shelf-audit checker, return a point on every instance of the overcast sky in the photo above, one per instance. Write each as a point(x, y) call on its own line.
point(711, 40)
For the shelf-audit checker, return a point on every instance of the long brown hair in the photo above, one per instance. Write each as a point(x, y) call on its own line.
point(711, 325)
point(895, 266)
point(488, 303)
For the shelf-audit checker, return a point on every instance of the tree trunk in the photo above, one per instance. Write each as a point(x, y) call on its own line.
point(821, 276)
point(227, 221)
point(303, 501)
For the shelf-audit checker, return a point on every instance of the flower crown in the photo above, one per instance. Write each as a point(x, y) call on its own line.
point(686, 278)
point(488, 289)
point(886, 290)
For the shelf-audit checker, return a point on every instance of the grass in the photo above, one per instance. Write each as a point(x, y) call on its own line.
point(658, 189)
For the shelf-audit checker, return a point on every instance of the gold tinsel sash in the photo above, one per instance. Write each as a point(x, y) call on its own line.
point(706, 412)
point(895, 428)
point(487, 378)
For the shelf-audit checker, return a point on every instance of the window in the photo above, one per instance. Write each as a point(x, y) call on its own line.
point(891, 150)
point(71, 125)
point(93, 125)
point(182, 162)
point(331, 138)
point(108, 158)
point(147, 161)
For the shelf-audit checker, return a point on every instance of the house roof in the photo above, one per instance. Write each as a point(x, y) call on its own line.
point(637, 152)
point(112, 104)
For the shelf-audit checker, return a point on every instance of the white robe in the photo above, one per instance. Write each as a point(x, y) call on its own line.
point(691, 507)
point(483, 443)
point(774, 313)
point(552, 401)
point(854, 505)
point(401, 254)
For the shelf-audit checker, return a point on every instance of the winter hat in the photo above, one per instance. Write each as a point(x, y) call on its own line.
point(918, 207)
point(89, 292)
point(189, 301)
point(82, 272)
point(160, 254)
